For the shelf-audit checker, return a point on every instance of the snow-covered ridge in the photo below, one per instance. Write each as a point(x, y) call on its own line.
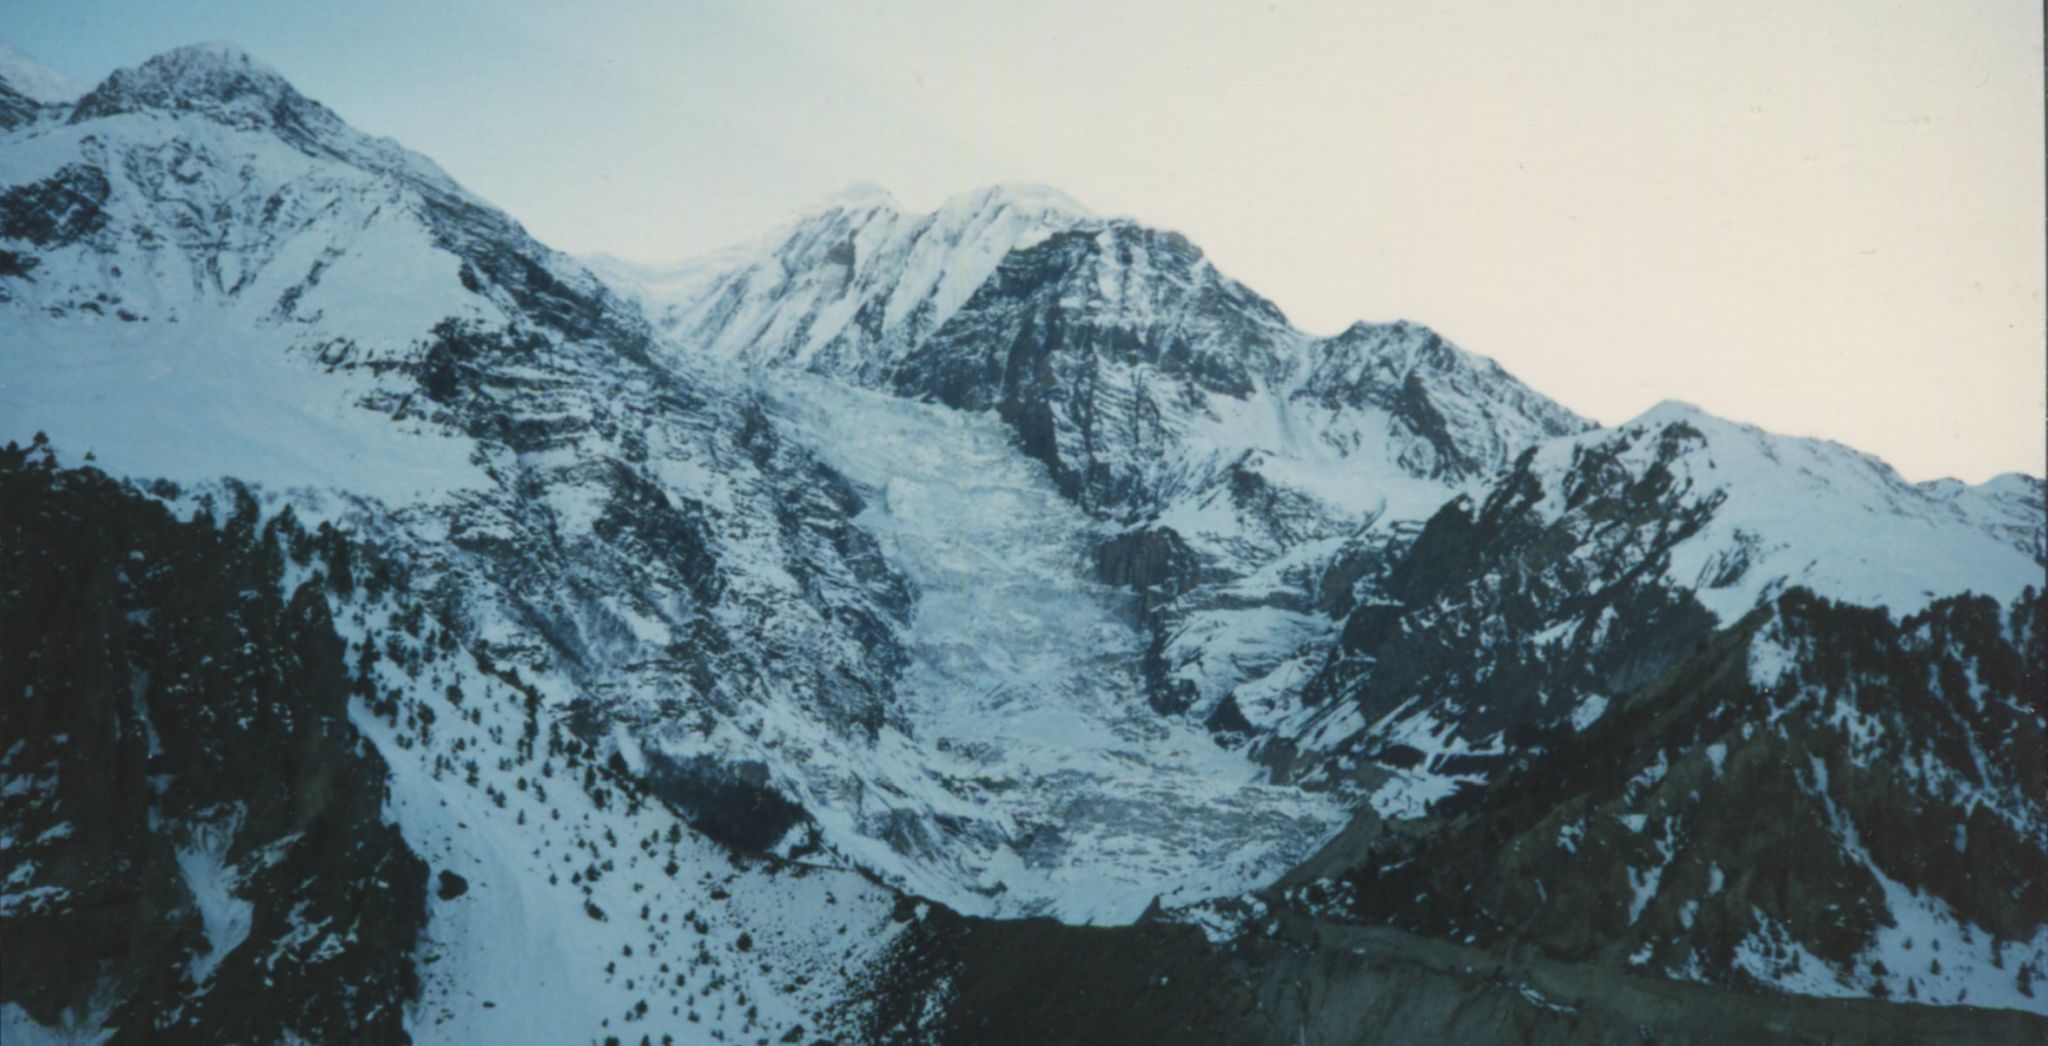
point(1792, 511)
point(1162, 395)
point(846, 287)
point(1578, 575)
point(35, 80)
point(1472, 415)
point(218, 78)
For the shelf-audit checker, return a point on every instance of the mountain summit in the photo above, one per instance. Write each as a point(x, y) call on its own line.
point(217, 79)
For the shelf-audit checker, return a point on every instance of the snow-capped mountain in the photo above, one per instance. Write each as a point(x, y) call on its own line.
point(198, 243)
point(641, 534)
point(1236, 465)
point(212, 276)
point(229, 264)
point(1249, 468)
point(1590, 567)
point(714, 649)
point(1265, 487)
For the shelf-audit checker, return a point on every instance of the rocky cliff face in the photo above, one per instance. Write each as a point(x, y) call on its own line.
point(1068, 338)
point(195, 840)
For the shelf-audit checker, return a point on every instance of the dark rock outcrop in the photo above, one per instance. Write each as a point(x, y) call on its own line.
point(67, 206)
point(197, 842)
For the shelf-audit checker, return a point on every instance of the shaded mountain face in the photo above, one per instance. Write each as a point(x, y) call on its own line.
point(1068, 340)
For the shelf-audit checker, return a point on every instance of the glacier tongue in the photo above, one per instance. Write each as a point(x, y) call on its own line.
point(1064, 793)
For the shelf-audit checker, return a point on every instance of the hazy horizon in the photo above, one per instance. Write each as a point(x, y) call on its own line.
point(1826, 221)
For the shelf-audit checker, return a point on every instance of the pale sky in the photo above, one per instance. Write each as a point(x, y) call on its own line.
point(1821, 216)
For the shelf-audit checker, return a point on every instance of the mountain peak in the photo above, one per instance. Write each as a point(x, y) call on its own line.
point(207, 67)
point(1018, 197)
point(1668, 411)
point(1376, 336)
point(211, 52)
point(218, 79)
point(861, 196)
point(1023, 197)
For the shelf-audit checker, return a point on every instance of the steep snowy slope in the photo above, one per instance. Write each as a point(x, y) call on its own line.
point(2012, 505)
point(1811, 513)
point(210, 275)
point(33, 79)
point(27, 86)
point(226, 280)
point(172, 259)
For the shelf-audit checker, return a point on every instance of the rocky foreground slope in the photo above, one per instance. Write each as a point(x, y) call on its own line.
point(711, 652)
point(178, 749)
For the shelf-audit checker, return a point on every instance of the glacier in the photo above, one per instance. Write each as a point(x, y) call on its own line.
point(1062, 791)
